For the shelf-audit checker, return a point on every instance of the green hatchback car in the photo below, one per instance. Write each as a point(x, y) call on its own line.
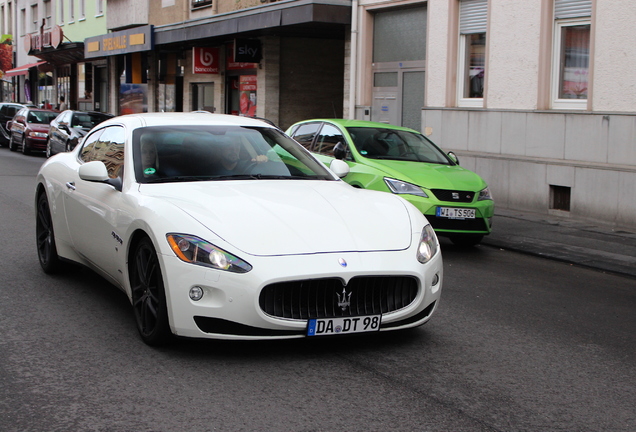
point(456, 201)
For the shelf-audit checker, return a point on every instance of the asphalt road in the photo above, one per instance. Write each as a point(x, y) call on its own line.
point(519, 343)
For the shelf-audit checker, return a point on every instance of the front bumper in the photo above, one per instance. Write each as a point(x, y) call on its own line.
point(230, 309)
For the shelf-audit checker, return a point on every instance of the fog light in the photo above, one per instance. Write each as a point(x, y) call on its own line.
point(196, 293)
point(435, 279)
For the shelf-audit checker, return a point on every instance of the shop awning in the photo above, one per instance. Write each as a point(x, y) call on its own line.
point(22, 70)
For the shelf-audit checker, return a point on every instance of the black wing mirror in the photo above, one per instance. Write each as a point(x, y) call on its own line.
point(340, 151)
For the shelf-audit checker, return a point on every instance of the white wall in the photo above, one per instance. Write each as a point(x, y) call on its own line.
point(614, 86)
point(513, 54)
point(437, 53)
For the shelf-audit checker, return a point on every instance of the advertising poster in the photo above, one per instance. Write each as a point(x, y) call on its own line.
point(6, 53)
point(133, 98)
point(247, 91)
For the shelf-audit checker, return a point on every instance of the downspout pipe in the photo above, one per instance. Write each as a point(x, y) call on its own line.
point(353, 65)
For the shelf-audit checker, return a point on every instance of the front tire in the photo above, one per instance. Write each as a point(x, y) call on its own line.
point(25, 149)
point(48, 149)
point(45, 237)
point(148, 295)
point(12, 145)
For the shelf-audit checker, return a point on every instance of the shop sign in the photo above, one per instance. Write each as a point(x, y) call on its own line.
point(121, 42)
point(205, 60)
point(247, 50)
point(234, 65)
point(43, 39)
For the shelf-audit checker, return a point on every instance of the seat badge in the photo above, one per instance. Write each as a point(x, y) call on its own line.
point(344, 301)
point(455, 195)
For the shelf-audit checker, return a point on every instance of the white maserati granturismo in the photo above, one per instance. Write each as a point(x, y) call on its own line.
point(223, 227)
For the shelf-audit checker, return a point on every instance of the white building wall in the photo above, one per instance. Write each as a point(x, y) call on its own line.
point(614, 56)
point(437, 53)
point(513, 54)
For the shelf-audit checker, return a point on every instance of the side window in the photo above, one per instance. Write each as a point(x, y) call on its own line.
point(327, 139)
point(88, 146)
point(110, 150)
point(306, 133)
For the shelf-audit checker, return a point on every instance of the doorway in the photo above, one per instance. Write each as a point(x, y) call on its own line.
point(203, 97)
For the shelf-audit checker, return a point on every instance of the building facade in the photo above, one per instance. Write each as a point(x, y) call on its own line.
point(535, 96)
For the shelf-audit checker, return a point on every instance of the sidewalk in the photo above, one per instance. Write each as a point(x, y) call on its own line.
point(582, 243)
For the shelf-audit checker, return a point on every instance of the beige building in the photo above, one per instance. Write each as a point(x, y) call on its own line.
point(536, 96)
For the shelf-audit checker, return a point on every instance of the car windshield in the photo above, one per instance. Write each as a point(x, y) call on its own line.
point(88, 120)
point(197, 153)
point(43, 117)
point(384, 143)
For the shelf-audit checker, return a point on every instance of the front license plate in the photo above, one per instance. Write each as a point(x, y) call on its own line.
point(339, 326)
point(455, 213)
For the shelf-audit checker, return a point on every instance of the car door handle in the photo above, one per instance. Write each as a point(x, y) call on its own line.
point(70, 185)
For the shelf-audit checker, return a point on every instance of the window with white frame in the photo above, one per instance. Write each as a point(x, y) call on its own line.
point(71, 10)
point(47, 13)
point(34, 18)
point(99, 7)
point(60, 6)
point(82, 11)
point(571, 53)
point(473, 16)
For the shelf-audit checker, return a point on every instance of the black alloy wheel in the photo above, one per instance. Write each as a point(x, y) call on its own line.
point(48, 148)
point(148, 295)
point(45, 237)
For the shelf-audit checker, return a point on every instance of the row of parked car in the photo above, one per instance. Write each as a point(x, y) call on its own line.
point(32, 129)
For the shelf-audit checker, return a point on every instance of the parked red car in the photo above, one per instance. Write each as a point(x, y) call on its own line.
point(29, 129)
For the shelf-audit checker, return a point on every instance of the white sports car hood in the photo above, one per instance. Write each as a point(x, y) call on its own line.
point(283, 217)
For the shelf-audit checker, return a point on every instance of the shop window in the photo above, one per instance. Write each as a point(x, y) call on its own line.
point(473, 15)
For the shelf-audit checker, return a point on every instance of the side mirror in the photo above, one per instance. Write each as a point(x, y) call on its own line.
point(339, 167)
point(453, 157)
point(64, 127)
point(95, 171)
point(340, 151)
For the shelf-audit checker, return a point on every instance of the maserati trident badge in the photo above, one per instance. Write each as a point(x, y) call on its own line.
point(344, 301)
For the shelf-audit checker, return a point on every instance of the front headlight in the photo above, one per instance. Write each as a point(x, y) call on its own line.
point(194, 250)
point(38, 134)
point(400, 187)
point(428, 245)
point(484, 194)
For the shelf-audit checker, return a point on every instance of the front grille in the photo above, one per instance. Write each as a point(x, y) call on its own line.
point(478, 224)
point(459, 197)
point(318, 298)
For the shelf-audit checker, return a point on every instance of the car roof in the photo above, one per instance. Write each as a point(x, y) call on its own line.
point(346, 123)
point(181, 118)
